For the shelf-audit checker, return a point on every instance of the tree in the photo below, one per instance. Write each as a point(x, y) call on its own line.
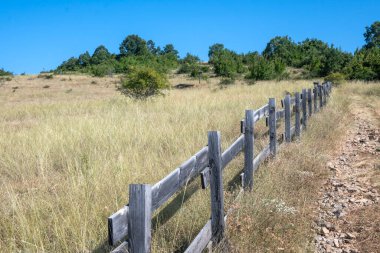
point(100, 55)
point(170, 50)
point(227, 63)
point(133, 45)
point(214, 50)
point(84, 59)
point(152, 47)
point(5, 73)
point(190, 64)
point(72, 64)
point(372, 35)
point(143, 83)
point(283, 48)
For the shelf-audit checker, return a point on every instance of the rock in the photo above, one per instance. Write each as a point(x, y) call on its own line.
point(350, 236)
point(325, 231)
point(336, 243)
point(330, 165)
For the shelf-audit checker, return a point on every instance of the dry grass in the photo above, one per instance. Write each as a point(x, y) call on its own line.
point(68, 153)
point(277, 216)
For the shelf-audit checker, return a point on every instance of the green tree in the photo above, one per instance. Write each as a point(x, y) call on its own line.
point(372, 35)
point(227, 63)
point(143, 83)
point(84, 59)
point(215, 49)
point(170, 50)
point(5, 73)
point(100, 55)
point(133, 45)
point(72, 64)
point(282, 48)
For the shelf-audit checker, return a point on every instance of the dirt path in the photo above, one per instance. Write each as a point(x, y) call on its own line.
point(349, 210)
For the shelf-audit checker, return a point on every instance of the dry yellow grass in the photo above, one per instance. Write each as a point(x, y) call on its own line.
point(68, 153)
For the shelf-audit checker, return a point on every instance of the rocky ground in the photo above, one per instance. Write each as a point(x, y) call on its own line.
point(351, 190)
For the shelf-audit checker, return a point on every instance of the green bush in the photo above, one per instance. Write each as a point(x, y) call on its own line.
point(102, 70)
point(262, 69)
point(336, 78)
point(143, 83)
point(227, 63)
point(5, 73)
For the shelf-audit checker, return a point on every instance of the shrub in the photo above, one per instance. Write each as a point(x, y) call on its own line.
point(227, 63)
point(5, 73)
point(227, 81)
point(45, 75)
point(102, 70)
point(143, 83)
point(336, 78)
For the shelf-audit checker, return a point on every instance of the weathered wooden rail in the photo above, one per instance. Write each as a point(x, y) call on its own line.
point(132, 223)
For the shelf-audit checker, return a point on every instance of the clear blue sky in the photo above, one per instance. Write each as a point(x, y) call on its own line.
point(39, 35)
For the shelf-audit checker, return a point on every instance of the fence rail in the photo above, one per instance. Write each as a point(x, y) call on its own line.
point(132, 223)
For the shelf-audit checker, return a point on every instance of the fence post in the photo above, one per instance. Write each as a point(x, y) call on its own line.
point(297, 132)
point(288, 115)
point(216, 186)
point(320, 93)
point(315, 91)
point(248, 150)
point(140, 216)
point(272, 126)
point(309, 102)
point(325, 93)
point(304, 108)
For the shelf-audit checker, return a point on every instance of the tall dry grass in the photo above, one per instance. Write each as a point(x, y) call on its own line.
point(69, 152)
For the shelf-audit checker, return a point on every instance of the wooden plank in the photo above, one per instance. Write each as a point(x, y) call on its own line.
point(201, 240)
point(205, 178)
point(260, 113)
point(292, 131)
point(280, 114)
point(261, 157)
point(140, 216)
point(304, 108)
point(272, 126)
point(309, 102)
point(288, 137)
point(216, 186)
point(227, 156)
point(232, 151)
point(122, 248)
point(320, 92)
point(248, 149)
point(118, 226)
point(298, 116)
point(173, 182)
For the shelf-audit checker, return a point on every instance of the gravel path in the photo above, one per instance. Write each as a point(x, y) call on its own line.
point(349, 188)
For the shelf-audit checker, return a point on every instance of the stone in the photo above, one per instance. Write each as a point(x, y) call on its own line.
point(336, 243)
point(325, 231)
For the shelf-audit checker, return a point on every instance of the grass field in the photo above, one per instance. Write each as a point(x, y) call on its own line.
point(69, 151)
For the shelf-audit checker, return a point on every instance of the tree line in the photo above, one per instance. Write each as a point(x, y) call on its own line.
point(313, 57)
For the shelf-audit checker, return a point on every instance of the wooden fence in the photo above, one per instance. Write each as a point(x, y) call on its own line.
point(131, 225)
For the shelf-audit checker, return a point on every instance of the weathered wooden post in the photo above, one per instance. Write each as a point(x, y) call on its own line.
point(320, 92)
point(304, 108)
point(272, 126)
point(309, 102)
point(297, 131)
point(288, 115)
point(140, 216)
point(315, 92)
point(216, 186)
point(248, 150)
